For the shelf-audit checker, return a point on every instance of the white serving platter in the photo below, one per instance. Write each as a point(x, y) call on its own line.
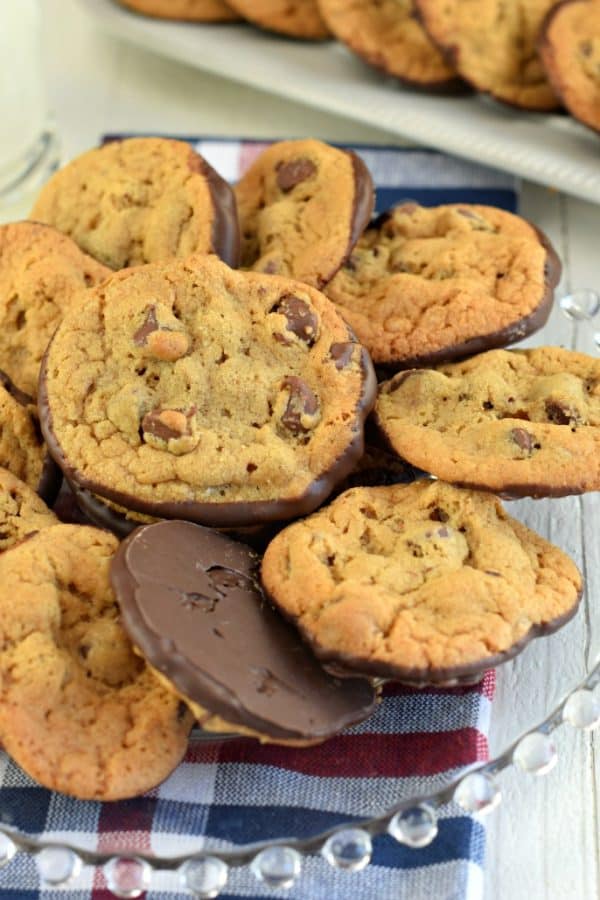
point(549, 149)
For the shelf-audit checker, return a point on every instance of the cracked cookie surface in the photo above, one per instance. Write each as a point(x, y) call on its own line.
point(294, 18)
point(302, 207)
point(492, 44)
point(569, 46)
point(422, 582)
point(22, 511)
point(426, 285)
point(141, 200)
point(388, 36)
point(22, 450)
point(521, 422)
point(79, 711)
point(188, 390)
point(41, 273)
point(184, 10)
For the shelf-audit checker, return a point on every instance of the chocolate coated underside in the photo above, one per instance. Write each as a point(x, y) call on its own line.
point(191, 604)
point(442, 677)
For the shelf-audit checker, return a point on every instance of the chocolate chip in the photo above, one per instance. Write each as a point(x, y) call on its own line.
point(522, 439)
point(301, 402)
point(487, 404)
point(294, 172)
point(149, 325)
point(559, 414)
point(167, 424)
point(301, 320)
point(271, 267)
point(341, 354)
point(585, 48)
point(438, 515)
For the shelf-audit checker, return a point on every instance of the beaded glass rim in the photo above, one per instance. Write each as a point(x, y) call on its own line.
point(412, 821)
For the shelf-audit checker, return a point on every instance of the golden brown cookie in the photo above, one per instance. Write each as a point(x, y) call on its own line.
point(424, 582)
point(41, 273)
point(428, 285)
point(187, 390)
point(388, 36)
point(191, 603)
point(184, 10)
point(520, 422)
point(569, 45)
point(22, 512)
point(142, 200)
point(492, 45)
point(302, 207)
point(22, 450)
point(79, 711)
point(294, 18)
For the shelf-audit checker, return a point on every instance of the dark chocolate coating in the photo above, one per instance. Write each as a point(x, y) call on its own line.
point(364, 203)
point(99, 513)
point(448, 676)
point(516, 331)
point(191, 603)
point(230, 514)
point(226, 238)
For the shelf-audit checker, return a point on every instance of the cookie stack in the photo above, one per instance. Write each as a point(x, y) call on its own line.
point(537, 55)
point(195, 408)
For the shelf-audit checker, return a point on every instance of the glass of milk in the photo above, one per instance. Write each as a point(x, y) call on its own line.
point(28, 145)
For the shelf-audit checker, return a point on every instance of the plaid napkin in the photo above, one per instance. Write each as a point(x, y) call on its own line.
point(237, 792)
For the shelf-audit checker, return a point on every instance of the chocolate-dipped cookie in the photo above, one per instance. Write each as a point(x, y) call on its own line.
point(80, 712)
point(492, 45)
point(187, 390)
point(518, 422)
point(425, 582)
point(569, 45)
point(388, 35)
point(428, 285)
point(41, 274)
point(192, 606)
point(302, 207)
point(142, 200)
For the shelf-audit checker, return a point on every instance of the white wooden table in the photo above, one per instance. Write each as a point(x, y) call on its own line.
point(543, 842)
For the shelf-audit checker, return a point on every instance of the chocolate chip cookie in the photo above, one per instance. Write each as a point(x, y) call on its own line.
point(294, 18)
point(428, 285)
point(22, 450)
point(492, 45)
point(22, 511)
point(191, 603)
point(142, 200)
point(302, 207)
point(423, 582)
point(521, 422)
point(387, 35)
point(184, 10)
point(80, 712)
point(41, 273)
point(188, 390)
point(569, 46)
